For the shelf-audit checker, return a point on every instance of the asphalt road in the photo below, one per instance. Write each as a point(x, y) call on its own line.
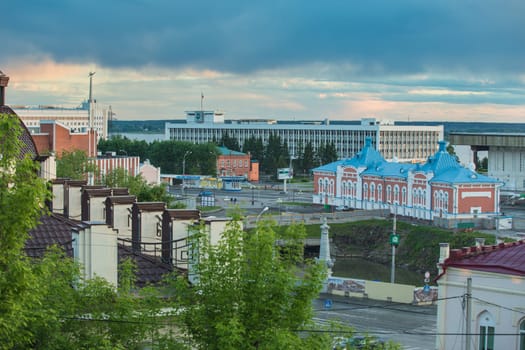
point(413, 327)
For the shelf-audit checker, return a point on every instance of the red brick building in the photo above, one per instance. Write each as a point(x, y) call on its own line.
point(56, 137)
point(234, 163)
point(439, 189)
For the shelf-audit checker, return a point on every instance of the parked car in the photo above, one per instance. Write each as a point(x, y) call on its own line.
point(205, 194)
point(343, 208)
point(358, 342)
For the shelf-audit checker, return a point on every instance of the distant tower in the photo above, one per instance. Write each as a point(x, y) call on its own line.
point(324, 252)
point(4, 79)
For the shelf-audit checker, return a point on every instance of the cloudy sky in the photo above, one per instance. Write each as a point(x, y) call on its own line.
point(286, 59)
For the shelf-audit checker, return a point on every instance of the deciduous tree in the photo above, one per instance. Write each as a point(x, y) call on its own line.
point(251, 293)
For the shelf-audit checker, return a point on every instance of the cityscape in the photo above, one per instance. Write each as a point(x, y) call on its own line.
point(263, 176)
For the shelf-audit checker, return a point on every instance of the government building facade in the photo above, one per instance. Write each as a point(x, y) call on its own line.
point(401, 142)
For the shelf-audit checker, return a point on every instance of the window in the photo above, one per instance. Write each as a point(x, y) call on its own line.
point(486, 331)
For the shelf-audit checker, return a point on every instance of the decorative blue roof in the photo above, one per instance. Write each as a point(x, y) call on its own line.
point(330, 167)
point(462, 175)
point(444, 166)
point(367, 157)
point(441, 161)
point(390, 169)
point(228, 152)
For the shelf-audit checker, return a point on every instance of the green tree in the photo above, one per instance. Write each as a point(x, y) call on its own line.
point(92, 314)
point(229, 142)
point(255, 147)
point(75, 165)
point(275, 155)
point(22, 195)
point(307, 160)
point(452, 151)
point(251, 293)
point(124, 146)
point(326, 153)
point(482, 165)
point(137, 186)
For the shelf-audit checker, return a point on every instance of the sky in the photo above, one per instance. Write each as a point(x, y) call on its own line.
point(402, 60)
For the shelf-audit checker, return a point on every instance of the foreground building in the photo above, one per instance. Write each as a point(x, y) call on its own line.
point(402, 142)
point(439, 189)
point(481, 297)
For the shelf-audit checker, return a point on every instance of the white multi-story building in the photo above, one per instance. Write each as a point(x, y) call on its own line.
point(77, 119)
point(402, 142)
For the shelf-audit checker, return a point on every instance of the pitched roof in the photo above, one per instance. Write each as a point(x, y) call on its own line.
point(367, 157)
point(55, 229)
point(28, 144)
point(462, 175)
point(390, 169)
point(51, 230)
point(228, 152)
point(441, 161)
point(505, 258)
point(149, 269)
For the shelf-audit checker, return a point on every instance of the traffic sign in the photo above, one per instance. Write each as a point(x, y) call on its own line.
point(394, 239)
point(328, 303)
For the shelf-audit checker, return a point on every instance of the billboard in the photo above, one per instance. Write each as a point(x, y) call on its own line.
point(284, 173)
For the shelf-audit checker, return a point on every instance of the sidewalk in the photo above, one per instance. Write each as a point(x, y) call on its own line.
point(370, 303)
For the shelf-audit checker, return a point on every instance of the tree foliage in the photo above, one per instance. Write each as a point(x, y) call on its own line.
point(275, 155)
point(75, 165)
point(326, 153)
point(251, 294)
point(307, 158)
point(137, 186)
point(22, 195)
point(229, 142)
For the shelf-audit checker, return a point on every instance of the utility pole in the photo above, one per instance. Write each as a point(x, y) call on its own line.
point(468, 311)
point(90, 123)
point(394, 242)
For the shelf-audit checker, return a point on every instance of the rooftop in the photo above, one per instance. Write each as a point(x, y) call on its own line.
point(505, 258)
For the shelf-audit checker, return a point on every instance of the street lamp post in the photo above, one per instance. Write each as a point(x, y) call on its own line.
point(184, 169)
point(264, 210)
point(394, 241)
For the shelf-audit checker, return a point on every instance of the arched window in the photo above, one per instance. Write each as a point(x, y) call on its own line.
point(389, 194)
point(445, 206)
point(396, 194)
point(372, 192)
point(486, 331)
point(365, 191)
point(522, 335)
point(404, 196)
point(380, 193)
point(320, 185)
